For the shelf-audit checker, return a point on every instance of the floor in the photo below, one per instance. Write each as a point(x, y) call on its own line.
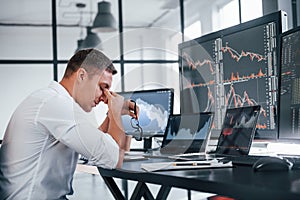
point(89, 186)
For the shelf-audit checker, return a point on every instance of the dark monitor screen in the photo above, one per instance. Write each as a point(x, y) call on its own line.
point(231, 68)
point(188, 132)
point(238, 130)
point(189, 126)
point(289, 118)
point(155, 106)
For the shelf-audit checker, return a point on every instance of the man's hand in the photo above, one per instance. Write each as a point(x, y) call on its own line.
point(115, 127)
point(130, 108)
point(115, 102)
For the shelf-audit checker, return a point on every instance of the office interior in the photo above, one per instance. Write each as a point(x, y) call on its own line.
point(38, 38)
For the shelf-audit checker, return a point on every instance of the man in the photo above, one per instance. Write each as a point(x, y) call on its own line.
point(50, 128)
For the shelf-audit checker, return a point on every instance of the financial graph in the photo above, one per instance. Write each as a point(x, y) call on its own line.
point(240, 98)
point(245, 58)
point(290, 86)
point(189, 127)
point(155, 106)
point(248, 69)
point(297, 56)
point(232, 70)
point(185, 133)
point(238, 56)
point(199, 73)
point(235, 76)
point(193, 65)
point(152, 115)
point(238, 129)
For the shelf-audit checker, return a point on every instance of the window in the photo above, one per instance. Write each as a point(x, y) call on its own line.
point(229, 14)
point(193, 31)
point(251, 9)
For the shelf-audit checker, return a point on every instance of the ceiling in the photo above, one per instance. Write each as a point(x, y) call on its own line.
point(136, 13)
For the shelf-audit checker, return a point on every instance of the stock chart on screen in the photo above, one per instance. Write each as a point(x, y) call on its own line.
point(289, 123)
point(234, 67)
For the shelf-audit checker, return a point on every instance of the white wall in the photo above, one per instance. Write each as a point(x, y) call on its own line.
point(16, 82)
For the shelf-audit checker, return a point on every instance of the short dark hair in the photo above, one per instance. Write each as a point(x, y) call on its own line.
point(91, 60)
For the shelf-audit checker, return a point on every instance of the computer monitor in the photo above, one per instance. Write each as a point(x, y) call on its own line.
point(289, 112)
point(234, 67)
point(155, 106)
point(238, 130)
point(187, 133)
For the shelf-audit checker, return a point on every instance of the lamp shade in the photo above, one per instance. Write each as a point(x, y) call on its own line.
point(104, 20)
point(91, 40)
point(79, 45)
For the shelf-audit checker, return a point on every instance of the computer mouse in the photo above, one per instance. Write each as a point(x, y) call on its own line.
point(272, 164)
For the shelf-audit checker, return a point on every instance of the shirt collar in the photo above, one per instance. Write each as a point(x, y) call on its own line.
point(59, 89)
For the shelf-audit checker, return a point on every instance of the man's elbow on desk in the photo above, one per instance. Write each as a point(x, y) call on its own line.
point(122, 151)
point(108, 154)
point(115, 160)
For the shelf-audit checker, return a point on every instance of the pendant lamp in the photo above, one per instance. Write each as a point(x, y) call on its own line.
point(79, 45)
point(104, 20)
point(91, 40)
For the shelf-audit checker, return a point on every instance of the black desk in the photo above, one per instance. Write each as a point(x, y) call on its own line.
point(238, 182)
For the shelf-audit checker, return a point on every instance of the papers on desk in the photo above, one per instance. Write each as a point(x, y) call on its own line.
point(165, 166)
point(134, 156)
point(128, 158)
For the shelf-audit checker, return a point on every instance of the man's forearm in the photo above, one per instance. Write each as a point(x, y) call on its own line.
point(104, 126)
point(115, 129)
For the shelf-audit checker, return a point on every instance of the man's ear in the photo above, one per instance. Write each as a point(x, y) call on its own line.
point(81, 74)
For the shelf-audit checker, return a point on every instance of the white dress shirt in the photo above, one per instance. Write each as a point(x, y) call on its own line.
point(39, 152)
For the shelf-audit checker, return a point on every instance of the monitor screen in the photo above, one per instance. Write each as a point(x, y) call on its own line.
point(238, 130)
point(155, 106)
point(188, 132)
point(289, 118)
point(189, 126)
point(231, 68)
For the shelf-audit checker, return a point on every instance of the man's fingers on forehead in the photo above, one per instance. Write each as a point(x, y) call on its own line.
point(113, 93)
point(107, 93)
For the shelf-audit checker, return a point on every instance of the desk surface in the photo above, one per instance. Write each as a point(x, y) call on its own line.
point(237, 182)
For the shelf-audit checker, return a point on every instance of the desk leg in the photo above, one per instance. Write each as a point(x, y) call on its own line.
point(125, 188)
point(141, 190)
point(189, 195)
point(113, 187)
point(163, 192)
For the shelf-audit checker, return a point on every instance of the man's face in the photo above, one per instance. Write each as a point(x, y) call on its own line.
point(90, 90)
